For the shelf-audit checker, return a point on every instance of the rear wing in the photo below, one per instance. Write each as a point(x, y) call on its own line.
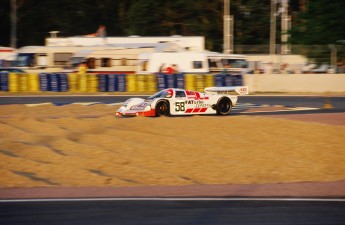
point(241, 90)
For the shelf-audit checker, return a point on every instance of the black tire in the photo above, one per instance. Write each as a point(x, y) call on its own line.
point(162, 108)
point(224, 106)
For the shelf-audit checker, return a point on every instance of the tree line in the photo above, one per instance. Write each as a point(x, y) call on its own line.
point(313, 21)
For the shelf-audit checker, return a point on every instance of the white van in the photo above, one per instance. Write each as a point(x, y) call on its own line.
point(192, 62)
point(48, 59)
point(119, 60)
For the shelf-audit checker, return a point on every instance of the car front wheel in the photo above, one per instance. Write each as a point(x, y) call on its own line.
point(162, 108)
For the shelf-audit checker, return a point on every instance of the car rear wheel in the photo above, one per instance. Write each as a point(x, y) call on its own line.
point(224, 106)
point(162, 108)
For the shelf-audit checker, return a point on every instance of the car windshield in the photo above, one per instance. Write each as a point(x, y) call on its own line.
point(161, 94)
point(235, 63)
point(24, 60)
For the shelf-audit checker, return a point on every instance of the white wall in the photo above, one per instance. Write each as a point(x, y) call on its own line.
point(290, 83)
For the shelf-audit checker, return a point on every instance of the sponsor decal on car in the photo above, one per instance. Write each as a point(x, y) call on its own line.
point(191, 106)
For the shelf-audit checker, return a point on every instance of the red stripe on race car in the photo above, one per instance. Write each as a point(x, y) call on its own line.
point(203, 110)
point(189, 110)
point(196, 110)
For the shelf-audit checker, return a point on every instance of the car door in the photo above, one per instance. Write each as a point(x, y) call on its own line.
point(178, 106)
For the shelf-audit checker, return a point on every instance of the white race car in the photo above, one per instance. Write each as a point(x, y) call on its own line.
point(173, 101)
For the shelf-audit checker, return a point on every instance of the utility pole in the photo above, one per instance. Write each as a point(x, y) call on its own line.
point(285, 20)
point(334, 60)
point(13, 24)
point(228, 29)
point(273, 27)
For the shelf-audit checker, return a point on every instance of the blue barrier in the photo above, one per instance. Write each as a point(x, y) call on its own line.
point(238, 80)
point(53, 82)
point(121, 82)
point(103, 80)
point(44, 81)
point(161, 81)
point(170, 81)
point(62, 82)
point(228, 80)
point(4, 81)
point(219, 80)
point(57, 82)
point(111, 82)
point(180, 80)
point(222, 80)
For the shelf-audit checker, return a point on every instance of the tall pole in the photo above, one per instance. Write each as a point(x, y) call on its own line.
point(273, 27)
point(285, 50)
point(13, 38)
point(227, 46)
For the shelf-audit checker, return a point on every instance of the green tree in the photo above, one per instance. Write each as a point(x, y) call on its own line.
point(5, 23)
point(79, 17)
point(323, 22)
point(180, 17)
point(252, 22)
point(319, 26)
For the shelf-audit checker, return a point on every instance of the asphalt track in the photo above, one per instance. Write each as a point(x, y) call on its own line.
point(312, 102)
point(215, 211)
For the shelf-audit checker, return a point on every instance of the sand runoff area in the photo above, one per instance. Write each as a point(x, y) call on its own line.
point(86, 146)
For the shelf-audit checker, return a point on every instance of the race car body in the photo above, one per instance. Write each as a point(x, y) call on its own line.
point(173, 101)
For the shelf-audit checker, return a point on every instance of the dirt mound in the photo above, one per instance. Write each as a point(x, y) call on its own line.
point(77, 145)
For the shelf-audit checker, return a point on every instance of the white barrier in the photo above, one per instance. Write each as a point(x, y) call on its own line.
point(295, 83)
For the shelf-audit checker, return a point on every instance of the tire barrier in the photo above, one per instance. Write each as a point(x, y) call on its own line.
point(19, 82)
point(190, 81)
point(13, 82)
point(82, 82)
point(33, 82)
point(151, 83)
point(4, 81)
point(91, 83)
point(161, 81)
point(198, 82)
point(73, 82)
point(170, 81)
point(238, 80)
point(111, 82)
point(55, 82)
point(141, 82)
point(222, 80)
point(131, 83)
point(209, 80)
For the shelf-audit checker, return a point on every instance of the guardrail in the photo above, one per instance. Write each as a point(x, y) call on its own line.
point(73, 82)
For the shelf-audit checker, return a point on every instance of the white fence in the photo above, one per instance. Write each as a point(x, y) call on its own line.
point(295, 83)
